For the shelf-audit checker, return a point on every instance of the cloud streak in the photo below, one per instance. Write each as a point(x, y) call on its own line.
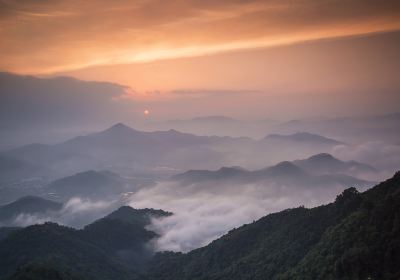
point(50, 36)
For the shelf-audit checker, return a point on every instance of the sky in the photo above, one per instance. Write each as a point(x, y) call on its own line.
point(245, 59)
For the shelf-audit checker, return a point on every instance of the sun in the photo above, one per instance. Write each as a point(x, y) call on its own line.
point(146, 112)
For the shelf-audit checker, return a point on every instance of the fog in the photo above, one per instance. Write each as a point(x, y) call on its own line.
point(76, 212)
point(203, 211)
point(385, 157)
point(181, 165)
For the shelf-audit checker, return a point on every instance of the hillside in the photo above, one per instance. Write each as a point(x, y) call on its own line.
point(27, 205)
point(324, 163)
point(109, 248)
point(13, 169)
point(138, 217)
point(88, 184)
point(356, 237)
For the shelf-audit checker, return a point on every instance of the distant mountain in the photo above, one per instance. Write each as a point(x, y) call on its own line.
point(282, 169)
point(324, 163)
point(285, 173)
point(215, 125)
point(127, 151)
point(384, 128)
point(206, 175)
point(356, 237)
point(27, 205)
point(13, 169)
point(303, 138)
point(89, 184)
point(215, 119)
point(124, 149)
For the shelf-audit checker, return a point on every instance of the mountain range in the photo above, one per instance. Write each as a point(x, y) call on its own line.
point(128, 151)
point(316, 171)
point(355, 237)
point(93, 184)
point(324, 163)
point(118, 148)
point(304, 138)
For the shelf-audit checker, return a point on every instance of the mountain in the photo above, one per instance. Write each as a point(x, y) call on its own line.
point(62, 249)
point(110, 248)
point(285, 173)
point(89, 184)
point(214, 119)
point(207, 175)
point(12, 169)
point(138, 217)
point(324, 163)
point(282, 169)
point(27, 205)
point(214, 125)
point(160, 154)
point(382, 128)
point(123, 233)
point(356, 237)
point(304, 138)
point(123, 149)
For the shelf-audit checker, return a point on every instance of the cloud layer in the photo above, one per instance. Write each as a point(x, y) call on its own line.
point(204, 212)
point(48, 36)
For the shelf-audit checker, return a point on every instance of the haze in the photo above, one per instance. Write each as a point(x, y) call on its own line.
point(219, 112)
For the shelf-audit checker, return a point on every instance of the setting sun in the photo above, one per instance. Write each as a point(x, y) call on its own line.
point(146, 112)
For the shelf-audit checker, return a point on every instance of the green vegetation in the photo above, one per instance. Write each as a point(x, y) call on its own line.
point(356, 237)
point(138, 217)
point(110, 248)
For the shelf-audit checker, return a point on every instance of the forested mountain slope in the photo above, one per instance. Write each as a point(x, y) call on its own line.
point(356, 237)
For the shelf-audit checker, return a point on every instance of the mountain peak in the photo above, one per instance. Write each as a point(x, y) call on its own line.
point(118, 129)
point(140, 217)
point(322, 156)
point(120, 126)
point(305, 137)
point(285, 168)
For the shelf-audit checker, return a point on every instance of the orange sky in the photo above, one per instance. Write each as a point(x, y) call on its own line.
point(171, 52)
point(52, 36)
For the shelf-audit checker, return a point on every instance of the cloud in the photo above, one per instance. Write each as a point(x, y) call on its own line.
point(35, 108)
point(76, 212)
point(204, 212)
point(386, 157)
point(66, 35)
